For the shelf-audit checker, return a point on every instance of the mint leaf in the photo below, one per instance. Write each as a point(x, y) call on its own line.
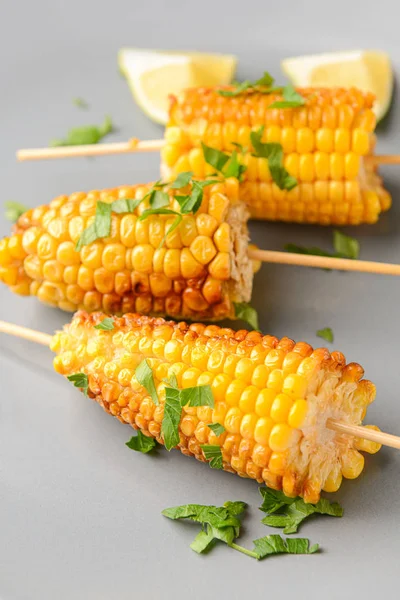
point(291, 99)
point(275, 544)
point(273, 152)
point(171, 418)
point(203, 541)
point(213, 454)
point(158, 199)
point(106, 324)
point(144, 376)
point(236, 507)
point(141, 443)
point(234, 168)
point(14, 210)
point(247, 313)
point(182, 180)
point(88, 134)
point(200, 395)
point(217, 428)
point(80, 380)
point(326, 334)
point(345, 246)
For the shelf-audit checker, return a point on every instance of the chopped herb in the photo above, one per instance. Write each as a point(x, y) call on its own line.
point(228, 165)
point(80, 380)
point(182, 180)
point(125, 205)
point(217, 428)
point(275, 544)
point(144, 376)
point(326, 334)
point(80, 103)
point(222, 523)
point(89, 134)
point(345, 246)
point(266, 81)
point(273, 152)
point(156, 211)
point(100, 227)
point(213, 454)
point(106, 324)
point(171, 418)
point(289, 513)
point(197, 396)
point(141, 443)
point(177, 221)
point(247, 313)
point(14, 210)
point(291, 99)
point(313, 251)
point(240, 147)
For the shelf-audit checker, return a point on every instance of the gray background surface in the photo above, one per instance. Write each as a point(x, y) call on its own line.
point(79, 512)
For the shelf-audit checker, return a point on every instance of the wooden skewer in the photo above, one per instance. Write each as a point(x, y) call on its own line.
point(135, 145)
point(323, 262)
point(386, 439)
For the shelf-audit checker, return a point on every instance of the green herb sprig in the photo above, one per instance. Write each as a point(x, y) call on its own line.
point(80, 380)
point(326, 334)
point(289, 513)
point(247, 313)
point(273, 152)
point(141, 443)
point(222, 523)
point(263, 85)
point(106, 324)
point(227, 164)
point(13, 210)
point(291, 99)
point(344, 246)
point(88, 134)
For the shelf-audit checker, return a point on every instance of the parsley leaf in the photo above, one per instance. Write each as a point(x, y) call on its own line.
point(14, 210)
point(214, 157)
point(100, 227)
point(106, 324)
point(171, 418)
point(80, 380)
point(289, 513)
point(144, 376)
point(275, 544)
point(125, 205)
point(217, 428)
point(88, 134)
point(141, 443)
point(273, 152)
point(228, 165)
point(326, 334)
point(345, 246)
point(197, 396)
point(247, 313)
point(80, 103)
point(213, 454)
point(266, 81)
point(291, 99)
point(182, 180)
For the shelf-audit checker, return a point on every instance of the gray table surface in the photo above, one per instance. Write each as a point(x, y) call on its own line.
point(79, 512)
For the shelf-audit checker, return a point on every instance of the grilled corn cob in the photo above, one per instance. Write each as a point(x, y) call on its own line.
point(198, 273)
point(272, 396)
point(326, 145)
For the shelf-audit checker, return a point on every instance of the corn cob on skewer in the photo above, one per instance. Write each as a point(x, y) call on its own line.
point(272, 396)
point(326, 145)
point(198, 273)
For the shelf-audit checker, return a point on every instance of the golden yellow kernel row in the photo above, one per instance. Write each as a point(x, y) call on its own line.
point(267, 393)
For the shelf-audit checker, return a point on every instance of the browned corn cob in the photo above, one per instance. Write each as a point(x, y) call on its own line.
point(325, 144)
point(272, 396)
point(199, 272)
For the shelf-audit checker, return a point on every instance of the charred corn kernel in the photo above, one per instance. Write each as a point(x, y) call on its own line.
point(263, 437)
point(189, 276)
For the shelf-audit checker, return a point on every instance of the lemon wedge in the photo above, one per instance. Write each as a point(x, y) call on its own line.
point(368, 70)
point(153, 75)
